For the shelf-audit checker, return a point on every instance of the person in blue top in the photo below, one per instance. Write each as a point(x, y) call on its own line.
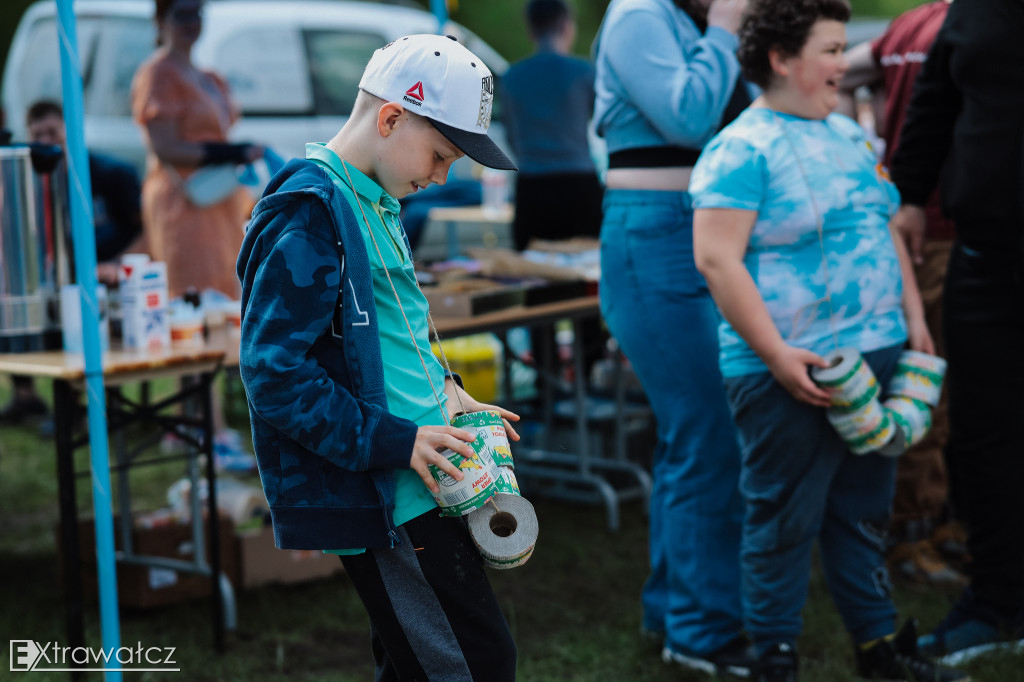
point(667, 80)
point(548, 99)
point(349, 406)
point(791, 231)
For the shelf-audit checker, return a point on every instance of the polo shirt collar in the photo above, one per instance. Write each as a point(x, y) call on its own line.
point(361, 184)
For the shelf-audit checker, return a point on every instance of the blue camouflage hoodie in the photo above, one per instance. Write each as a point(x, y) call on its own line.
point(310, 360)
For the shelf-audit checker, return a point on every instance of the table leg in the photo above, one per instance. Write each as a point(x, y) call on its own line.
point(64, 424)
point(580, 394)
point(214, 522)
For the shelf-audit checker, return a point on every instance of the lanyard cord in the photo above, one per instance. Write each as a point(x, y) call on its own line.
point(401, 308)
point(820, 225)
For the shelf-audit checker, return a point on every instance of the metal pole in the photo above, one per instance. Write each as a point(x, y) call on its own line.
point(439, 8)
point(84, 240)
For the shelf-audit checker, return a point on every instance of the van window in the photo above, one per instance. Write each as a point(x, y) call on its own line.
point(337, 60)
point(124, 43)
point(265, 68)
point(40, 77)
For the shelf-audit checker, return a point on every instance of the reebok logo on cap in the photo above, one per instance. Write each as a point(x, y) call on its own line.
point(414, 95)
point(460, 84)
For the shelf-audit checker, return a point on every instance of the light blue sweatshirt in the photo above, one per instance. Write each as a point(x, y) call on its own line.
point(659, 81)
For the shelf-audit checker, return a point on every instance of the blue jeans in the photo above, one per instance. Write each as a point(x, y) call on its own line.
point(658, 307)
point(801, 483)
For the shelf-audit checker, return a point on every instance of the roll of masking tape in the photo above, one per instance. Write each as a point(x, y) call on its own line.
point(489, 424)
point(478, 484)
point(919, 376)
point(855, 425)
point(505, 531)
point(876, 440)
point(913, 420)
point(847, 378)
point(866, 429)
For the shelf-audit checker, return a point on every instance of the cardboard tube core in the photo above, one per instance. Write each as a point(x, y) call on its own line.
point(503, 524)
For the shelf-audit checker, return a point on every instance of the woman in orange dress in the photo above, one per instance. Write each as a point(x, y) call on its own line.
point(185, 114)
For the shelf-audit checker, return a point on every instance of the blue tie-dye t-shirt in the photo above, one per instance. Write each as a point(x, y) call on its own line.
point(798, 174)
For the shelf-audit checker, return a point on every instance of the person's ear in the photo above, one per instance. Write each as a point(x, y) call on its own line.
point(388, 117)
point(778, 61)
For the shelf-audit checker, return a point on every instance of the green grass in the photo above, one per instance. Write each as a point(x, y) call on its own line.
point(574, 608)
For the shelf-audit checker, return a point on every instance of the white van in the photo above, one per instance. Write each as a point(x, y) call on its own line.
point(293, 67)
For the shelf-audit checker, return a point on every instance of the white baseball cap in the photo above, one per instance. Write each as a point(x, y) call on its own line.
point(436, 77)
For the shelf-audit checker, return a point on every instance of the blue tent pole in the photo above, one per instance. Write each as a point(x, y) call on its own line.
point(439, 8)
point(84, 240)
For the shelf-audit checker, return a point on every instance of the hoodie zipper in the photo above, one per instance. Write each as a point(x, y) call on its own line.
point(388, 519)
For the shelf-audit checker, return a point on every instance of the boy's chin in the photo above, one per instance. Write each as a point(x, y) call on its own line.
point(400, 192)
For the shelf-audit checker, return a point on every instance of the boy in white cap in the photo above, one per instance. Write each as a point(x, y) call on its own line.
point(349, 405)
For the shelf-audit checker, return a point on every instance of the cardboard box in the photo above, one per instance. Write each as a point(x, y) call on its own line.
point(145, 587)
point(261, 562)
point(541, 292)
point(470, 297)
point(144, 315)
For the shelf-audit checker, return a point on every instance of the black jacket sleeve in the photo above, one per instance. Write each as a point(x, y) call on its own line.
point(927, 133)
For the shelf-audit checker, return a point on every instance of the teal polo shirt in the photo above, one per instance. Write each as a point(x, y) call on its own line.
point(408, 392)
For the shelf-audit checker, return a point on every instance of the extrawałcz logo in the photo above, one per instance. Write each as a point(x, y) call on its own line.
point(31, 656)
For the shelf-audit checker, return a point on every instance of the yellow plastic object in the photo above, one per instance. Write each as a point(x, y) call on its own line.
point(477, 360)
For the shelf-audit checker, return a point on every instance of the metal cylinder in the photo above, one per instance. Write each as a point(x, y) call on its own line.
point(35, 252)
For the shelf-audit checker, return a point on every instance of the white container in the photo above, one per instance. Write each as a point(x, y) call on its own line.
point(495, 191)
point(144, 313)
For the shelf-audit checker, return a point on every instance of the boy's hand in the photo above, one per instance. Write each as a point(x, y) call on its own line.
point(459, 401)
point(430, 441)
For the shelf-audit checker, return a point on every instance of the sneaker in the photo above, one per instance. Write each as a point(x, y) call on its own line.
point(735, 659)
point(22, 408)
point(900, 659)
point(779, 664)
point(971, 629)
point(921, 562)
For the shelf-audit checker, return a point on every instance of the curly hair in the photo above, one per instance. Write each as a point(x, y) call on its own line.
point(782, 25)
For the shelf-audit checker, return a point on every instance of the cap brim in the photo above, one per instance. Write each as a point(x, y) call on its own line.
point(476, 146)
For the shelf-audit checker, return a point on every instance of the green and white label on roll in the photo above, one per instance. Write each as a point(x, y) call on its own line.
point(478, 484)
point(848, 379)
point(490, 424)
point(918, 376)
point(858, 424)
point(507, 482)
point(875, 440)
point(913, 416)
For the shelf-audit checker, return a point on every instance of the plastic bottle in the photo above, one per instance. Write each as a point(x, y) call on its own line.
point(495, 191)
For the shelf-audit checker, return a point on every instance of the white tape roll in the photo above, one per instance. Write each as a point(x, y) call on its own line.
point(505, 531)
point(919, 376)
point(865, 429)
point(913, 420)
point(855, 425)
point(848, 379)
